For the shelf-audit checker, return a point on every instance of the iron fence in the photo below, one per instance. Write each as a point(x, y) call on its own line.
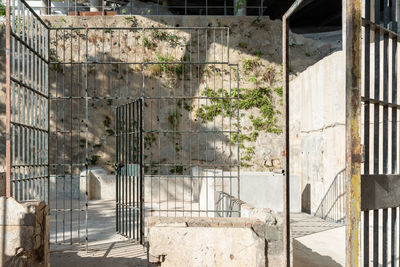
point(157, 7)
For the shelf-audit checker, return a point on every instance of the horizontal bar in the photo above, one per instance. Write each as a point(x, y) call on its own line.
point(140, 28)
point(28, 179)
point(29, 165)
point(29, 127)
point(374, 26)
point(379, 191)
point(34, 13)
point(30, 48)
point(64, 210)
point(380, 102)
point(146, 97)
point(191, 132)
point(188, 210)
point(142, 63)
point(29, 88)
point(154, 176)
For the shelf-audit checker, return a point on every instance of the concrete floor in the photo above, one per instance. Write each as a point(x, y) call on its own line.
point(317, 243)
point(106, 248)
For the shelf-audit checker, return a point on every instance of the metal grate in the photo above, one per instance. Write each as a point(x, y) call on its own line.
point(380, 128)
point(129, 172)
point(27, 104)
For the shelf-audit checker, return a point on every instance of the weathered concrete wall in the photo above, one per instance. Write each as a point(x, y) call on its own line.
point(206, 241)
point(317, 113)
point(256, 239)
point(24, 233)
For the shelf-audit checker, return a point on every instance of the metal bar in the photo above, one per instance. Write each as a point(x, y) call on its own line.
point(377, 13)
point(352, 28)
point(374, 26)
point(286, 179)
point(367, 66)
point(8, 100)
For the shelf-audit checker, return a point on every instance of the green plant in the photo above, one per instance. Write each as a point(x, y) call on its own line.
point(107, 121)
point(279, 91)
point(178, 169)
point(149, 44)
point(239, 5)
point(173, 119)
point(250, 64)
point(94, 159)
point(2, 10)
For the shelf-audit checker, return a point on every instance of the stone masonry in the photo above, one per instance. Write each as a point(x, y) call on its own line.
point(24, 232)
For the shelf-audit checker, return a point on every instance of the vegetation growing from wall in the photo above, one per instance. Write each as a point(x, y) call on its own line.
point(258, 99)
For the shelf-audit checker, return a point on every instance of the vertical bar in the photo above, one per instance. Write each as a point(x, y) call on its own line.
point(352, 29)
point(141, 185)
point(367, 55)
point(286, 180)
point(394, 228)
point(376, 128)
point(385, 126)
point(8, 101)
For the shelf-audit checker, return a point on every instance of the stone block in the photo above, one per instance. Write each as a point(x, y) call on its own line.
point(206, 242)
point(25, 229)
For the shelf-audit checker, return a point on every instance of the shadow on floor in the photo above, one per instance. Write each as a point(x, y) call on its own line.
point(116, 254)
point(305, 257)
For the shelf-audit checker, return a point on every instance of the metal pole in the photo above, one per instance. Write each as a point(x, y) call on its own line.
point(286, 180)
point(352, 30)
point(8, 101)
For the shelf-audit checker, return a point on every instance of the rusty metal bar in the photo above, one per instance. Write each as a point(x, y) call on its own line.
point(352, 29)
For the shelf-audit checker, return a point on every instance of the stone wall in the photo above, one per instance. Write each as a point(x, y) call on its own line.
point(24, 233)
point(317, 114)
point(251, 40)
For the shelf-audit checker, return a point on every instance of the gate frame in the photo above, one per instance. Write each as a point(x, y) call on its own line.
point(351, 25)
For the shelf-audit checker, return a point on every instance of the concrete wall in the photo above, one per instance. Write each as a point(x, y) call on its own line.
point(317, 128)
point(24, 233)
point(265, 190)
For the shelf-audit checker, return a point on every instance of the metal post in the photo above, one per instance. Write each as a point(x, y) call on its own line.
point(352, 29)
point(286, 180)
point(8, 101)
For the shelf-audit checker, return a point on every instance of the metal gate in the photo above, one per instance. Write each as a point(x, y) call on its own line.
point(27, 102)
point(370, 34)
point(129, 170)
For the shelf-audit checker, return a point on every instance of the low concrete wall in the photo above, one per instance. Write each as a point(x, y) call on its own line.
point(206, 242)
point(24, 233)
point(255, 239)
